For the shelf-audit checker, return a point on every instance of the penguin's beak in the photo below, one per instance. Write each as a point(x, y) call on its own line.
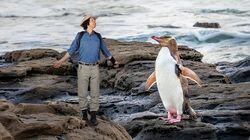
point(158, 39)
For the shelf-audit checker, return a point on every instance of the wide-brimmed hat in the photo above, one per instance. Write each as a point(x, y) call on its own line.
point(86, 17)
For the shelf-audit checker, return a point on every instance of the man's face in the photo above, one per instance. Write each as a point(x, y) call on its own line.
point(92, 22)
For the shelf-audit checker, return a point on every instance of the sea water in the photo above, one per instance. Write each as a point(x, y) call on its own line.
point(26, 24)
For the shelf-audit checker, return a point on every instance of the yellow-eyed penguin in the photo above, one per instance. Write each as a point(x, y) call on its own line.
point(168, 80)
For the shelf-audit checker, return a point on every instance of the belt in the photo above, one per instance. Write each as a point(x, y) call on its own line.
point(88, 64)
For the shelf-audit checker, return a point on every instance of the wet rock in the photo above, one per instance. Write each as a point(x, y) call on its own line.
point(120, 107)
point(207, 25)
point(220, 96)
point(28, 123)
point(242, 75)
point(37, 88)
point(148, 129)
point(1, 57)
point(230, 124)
point(237, 72)
point(108, 77)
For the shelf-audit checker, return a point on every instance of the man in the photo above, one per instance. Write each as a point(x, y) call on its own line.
point(88, 70)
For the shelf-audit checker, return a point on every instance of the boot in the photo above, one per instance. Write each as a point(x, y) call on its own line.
point(85, 115)
point(93, 119)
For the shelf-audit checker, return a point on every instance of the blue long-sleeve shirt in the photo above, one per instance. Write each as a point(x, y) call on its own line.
point(90, 47)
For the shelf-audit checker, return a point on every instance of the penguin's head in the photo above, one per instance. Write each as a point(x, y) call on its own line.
point(165, 41)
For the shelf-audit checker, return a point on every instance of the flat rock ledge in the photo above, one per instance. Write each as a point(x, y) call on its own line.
point(53, 121)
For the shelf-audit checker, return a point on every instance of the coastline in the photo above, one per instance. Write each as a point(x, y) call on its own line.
point(224, 105)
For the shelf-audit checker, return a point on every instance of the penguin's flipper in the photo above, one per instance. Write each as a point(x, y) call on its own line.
point(150, 81)
point(188, 73)
point(177, 70)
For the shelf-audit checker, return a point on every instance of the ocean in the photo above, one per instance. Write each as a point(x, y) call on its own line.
point(26, 24)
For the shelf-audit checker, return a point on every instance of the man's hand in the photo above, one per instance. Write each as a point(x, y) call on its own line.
point(57, 63)
point(116, 65)
point(114, 62)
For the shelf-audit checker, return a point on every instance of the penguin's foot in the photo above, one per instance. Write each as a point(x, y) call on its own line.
point(170, 116)
point(178, 119)
point(174, 120)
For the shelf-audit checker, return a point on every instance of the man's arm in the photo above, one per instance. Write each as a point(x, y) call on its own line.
point(74, 45)
point(58, 63)
point(107, 53)
point(70, 51)
point(105, 50)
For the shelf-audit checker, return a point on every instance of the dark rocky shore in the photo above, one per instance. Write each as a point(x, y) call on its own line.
point(40, 102)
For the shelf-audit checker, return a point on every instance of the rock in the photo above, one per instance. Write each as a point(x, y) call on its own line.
point(133, 74)
point(41, 66)
point(222, 104)
point(207, 72)
point(148, 129)
point(5, 105)
point(43, 137)
point(105, 130)
point(4, 134)
point(224, 109)
point(45, 66)
point(126, 52)
point(242, 75)
point(207, 25)
point(233, 124)
point(38, 88)
point(41, 60)
point(108, 77)
point(237, 72)
point(11, 72)
point(220, 96)
point(25, 55)
point(187, 53)
point(1, 57)
point(37, 121)
point(121, 108)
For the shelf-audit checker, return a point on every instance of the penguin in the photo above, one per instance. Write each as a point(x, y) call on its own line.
point(172, 45)
point(168, 74)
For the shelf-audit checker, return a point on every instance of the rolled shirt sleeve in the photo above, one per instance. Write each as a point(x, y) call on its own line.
point(73, 46)
point(104, 49)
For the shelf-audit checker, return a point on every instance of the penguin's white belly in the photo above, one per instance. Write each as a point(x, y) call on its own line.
point(169, 85)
